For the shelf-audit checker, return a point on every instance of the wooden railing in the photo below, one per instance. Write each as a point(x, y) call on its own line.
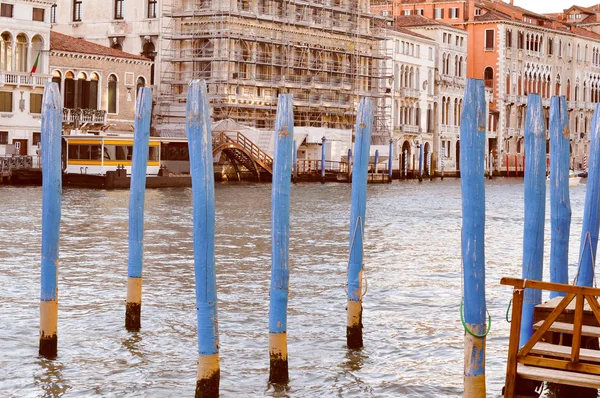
point(257, 154)
point(543, 361)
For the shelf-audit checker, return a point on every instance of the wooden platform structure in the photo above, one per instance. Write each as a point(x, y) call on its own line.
point(576, 314)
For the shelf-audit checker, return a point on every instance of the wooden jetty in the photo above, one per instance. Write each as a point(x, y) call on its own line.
point(576, 315)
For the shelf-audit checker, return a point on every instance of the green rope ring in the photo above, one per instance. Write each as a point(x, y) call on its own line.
point(508, 310)
point(462, 319)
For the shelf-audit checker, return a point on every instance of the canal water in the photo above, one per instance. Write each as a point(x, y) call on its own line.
point(412, 331)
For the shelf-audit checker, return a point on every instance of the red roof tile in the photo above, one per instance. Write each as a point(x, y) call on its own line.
point(417, 20)
point(66, 43)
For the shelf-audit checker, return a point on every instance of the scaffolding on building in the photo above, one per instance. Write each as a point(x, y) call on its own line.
point(327, 53)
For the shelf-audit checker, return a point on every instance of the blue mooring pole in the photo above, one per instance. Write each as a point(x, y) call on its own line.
point(421, 163)
point(362, 153)
point(390, 160)
point(535, 208)
point(51, 208)
point(591, 212)
point(139, 162)
point(323, 140)
point(280, 235)
point(203, 196)
point(472, 160)
point(560, 204)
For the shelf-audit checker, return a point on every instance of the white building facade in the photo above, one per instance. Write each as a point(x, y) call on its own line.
point(24, 39)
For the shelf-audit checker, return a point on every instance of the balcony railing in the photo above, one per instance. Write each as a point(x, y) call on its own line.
point(90, 116)
point(23, 79)
point(409, 92)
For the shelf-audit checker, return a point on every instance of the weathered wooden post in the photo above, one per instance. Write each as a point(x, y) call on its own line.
point(139, 162)
point(295, 163)
point(349, 165)
point(51, 209)
point(362, 149)
point(535, 208)
point(472, 155)
point(203, 196)
point(591, 212)
point(560, 204)
point(420, 162)
point(376, 161)
point(280, 234)
point(323, 140)
point(390, 161)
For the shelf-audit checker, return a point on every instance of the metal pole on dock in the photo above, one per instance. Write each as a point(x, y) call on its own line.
point(472, 161)
point(421, 163)
point(139, 162)
point(443, 160)
point(390, 161)
point(376, 161)
point(203, 196)
point(362, 145)
point(51, 209)
point(591, 212)
point(280, 234)
point(323, 140)
point(295, 163)
point(405, 164)
point(560, 203)
point(535, 208)
point(349, 165)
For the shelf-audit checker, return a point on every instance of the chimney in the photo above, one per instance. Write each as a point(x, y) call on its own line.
point(512, 2)
point(471, 10)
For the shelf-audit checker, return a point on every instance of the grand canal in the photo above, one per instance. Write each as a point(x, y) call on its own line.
point(412, 330)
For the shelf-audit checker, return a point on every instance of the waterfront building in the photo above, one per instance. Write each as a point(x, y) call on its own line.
point(24, 47)
point(99, 84)
point(446, 90)
point(517, 52)
point(325, 52)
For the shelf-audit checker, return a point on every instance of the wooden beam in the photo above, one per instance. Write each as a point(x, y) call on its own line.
point(555, 287)
point(562, 351)
point(513, 344)
point(567, 328)
point(593, 302)
point(560, 364)
point(559, 376)
point(576, 344)
point(546, 325)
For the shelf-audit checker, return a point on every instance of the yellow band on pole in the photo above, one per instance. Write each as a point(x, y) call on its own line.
point(474, 384)
point(278, 345)
point(48, 318)
point(354, 313)
point(208, 365)
point(134, 290)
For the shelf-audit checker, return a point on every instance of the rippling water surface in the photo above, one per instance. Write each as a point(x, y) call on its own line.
point(412, 330)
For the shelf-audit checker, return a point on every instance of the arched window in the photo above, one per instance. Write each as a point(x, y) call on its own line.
point(488, 77)
point(21, 54)
point(69, 96)
point(149, 52)
point(141, 82)
point(568, 90)
point(6, 51)
point(508, 88)
point(93, 91)
point(57, 78)
point(112, 94)
point(37, 45)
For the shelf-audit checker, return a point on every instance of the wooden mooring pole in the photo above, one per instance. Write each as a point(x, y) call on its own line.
point(560, 203)
point(362, 149)
point(51, 132)
point(420, 162)
point(535, 208)
point(203, 196)
point(139, 162)
point(280, 235)
point(390, 161)
point(472, 161)
point(323, 141)
point(295, 163)
point(591, 212)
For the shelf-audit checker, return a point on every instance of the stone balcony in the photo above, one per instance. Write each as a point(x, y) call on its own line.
point(89, 116)
point(408, 92)
point(23, 79)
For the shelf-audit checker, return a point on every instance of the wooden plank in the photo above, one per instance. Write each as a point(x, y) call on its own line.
point(559, 376)
point(561, 351)
point(576, 344)
point(555, 287)
point(513, 344)
point(560, 364)
point(594, 306)
point(546, 325)
point(567, 328)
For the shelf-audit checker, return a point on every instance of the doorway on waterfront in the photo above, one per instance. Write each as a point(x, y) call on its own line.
point(20, 147)
point(458, 155)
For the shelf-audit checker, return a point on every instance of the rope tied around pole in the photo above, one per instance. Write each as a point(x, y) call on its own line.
point(508, 311)
point(364, 274)
point(462, 320)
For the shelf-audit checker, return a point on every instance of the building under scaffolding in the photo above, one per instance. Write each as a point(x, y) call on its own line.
point(327, 53)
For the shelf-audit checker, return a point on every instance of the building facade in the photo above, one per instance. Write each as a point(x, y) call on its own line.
point(24, 48)
point(99, 84)
point(324, 52)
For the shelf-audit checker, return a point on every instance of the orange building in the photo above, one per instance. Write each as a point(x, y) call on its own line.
point(518, 52)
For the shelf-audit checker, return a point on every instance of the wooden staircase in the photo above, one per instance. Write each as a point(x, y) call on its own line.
point(576, 314)
point(242, 152)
